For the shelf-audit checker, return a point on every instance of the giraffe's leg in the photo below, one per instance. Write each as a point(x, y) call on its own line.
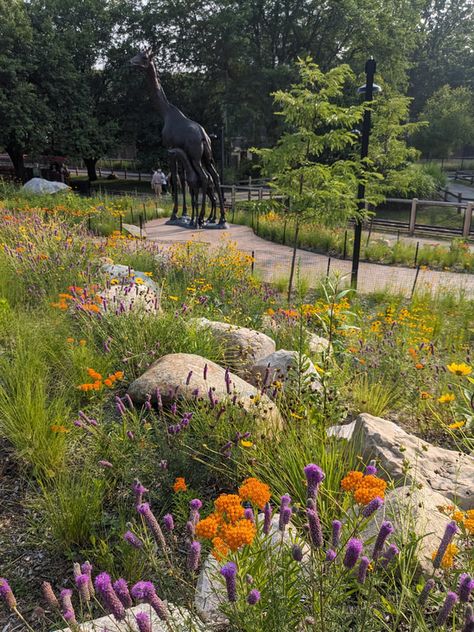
point(217, 184)
point(174, 187)
point(182, 179)
point(204, 180)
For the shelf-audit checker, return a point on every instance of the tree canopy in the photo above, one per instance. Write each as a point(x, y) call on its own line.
point(66, 86)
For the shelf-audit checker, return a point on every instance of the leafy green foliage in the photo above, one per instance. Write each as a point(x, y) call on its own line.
point(450, 112)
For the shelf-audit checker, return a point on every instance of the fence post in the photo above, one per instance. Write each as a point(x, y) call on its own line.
point(411, 228)
point(125, 174)
point(260, 193)
point(250, 193)
point(466, 229)
point(139, 176)
point(100, 172)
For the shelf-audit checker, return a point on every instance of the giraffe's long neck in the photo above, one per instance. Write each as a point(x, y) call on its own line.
point(157, 92)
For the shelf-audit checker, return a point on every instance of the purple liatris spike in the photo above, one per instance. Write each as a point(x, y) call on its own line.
point(152, 522)
point(249, 515)
point(466, 585)
point(450, 532)
point(371, 469)
point(372, 507)
point(353, 551)
point(168, 522)
point(336, 532)
point(315, 531)
point(468, 619)
point(194, 507)
point(112, 603)
point(194, 556)
point(6, 594)
point(267, 518)
point(330, 555)
point(285, 518)
point(67, 607)
point(190, 529)
point(314, 476)
point(132, 539)
point(82, 583)
point(143, 621)
point(253, 597)
point(122, 592)
point(362, 571)
point(105, 464)
point(130, 435)
point(86, 568)
point(389, 555)
point(427, 588)
point(449, 603)
point(229, 572)
point(138, 489)
point(49, 596)
point(146, 591)
point(284, 502)
point(386, 529)
point(297, 552)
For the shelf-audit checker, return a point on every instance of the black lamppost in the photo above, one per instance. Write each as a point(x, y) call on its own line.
point(367, 93)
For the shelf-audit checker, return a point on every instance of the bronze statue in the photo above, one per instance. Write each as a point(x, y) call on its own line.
point(180, 132)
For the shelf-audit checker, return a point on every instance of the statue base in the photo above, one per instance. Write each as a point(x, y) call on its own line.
point(185, 222)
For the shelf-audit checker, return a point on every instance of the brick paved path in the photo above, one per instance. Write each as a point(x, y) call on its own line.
point(272, 261)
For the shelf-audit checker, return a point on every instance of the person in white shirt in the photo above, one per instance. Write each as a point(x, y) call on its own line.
point(157, 181)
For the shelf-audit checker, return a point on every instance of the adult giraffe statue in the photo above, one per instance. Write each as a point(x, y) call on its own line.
point(181, 132)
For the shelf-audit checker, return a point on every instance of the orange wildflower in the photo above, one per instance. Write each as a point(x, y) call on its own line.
point(220, 549)
point(108, 382)
point(351, 480)
point(229, 506)
point(238, 534)
point(254, 490)
point(207, 528)
point(179, 485)
point(419, 365)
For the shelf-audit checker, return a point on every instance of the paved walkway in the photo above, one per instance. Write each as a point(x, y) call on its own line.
point(272, 261)
point(454, 186)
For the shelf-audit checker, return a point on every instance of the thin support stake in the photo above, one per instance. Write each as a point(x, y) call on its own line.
point(252, 267)
point(414, 282)
point(416, 254)
point(329, 266)
point(344, 250)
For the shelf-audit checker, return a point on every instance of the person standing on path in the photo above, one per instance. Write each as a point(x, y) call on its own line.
point(157, 181)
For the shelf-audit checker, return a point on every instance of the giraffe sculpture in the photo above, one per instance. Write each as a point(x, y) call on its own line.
point(181, 165)
point(182, 133)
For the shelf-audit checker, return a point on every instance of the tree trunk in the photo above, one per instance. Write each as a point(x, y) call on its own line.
point(16, 156)
point(91, 170)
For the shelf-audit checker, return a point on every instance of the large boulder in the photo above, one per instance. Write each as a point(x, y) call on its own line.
point(185, 375)
point(180, 619)
point(283, 366)
point(408, 458)
point(125, 297)
point(126, 275)
point(413, 511)
point(242, 347)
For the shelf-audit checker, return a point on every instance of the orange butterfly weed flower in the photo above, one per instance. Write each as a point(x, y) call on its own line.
point(179, 485)
point(238, 534)
point(207, 527)
point(254, 490)
point(364, 487)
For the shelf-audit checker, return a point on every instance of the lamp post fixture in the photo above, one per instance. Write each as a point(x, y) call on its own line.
point(367, 92)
